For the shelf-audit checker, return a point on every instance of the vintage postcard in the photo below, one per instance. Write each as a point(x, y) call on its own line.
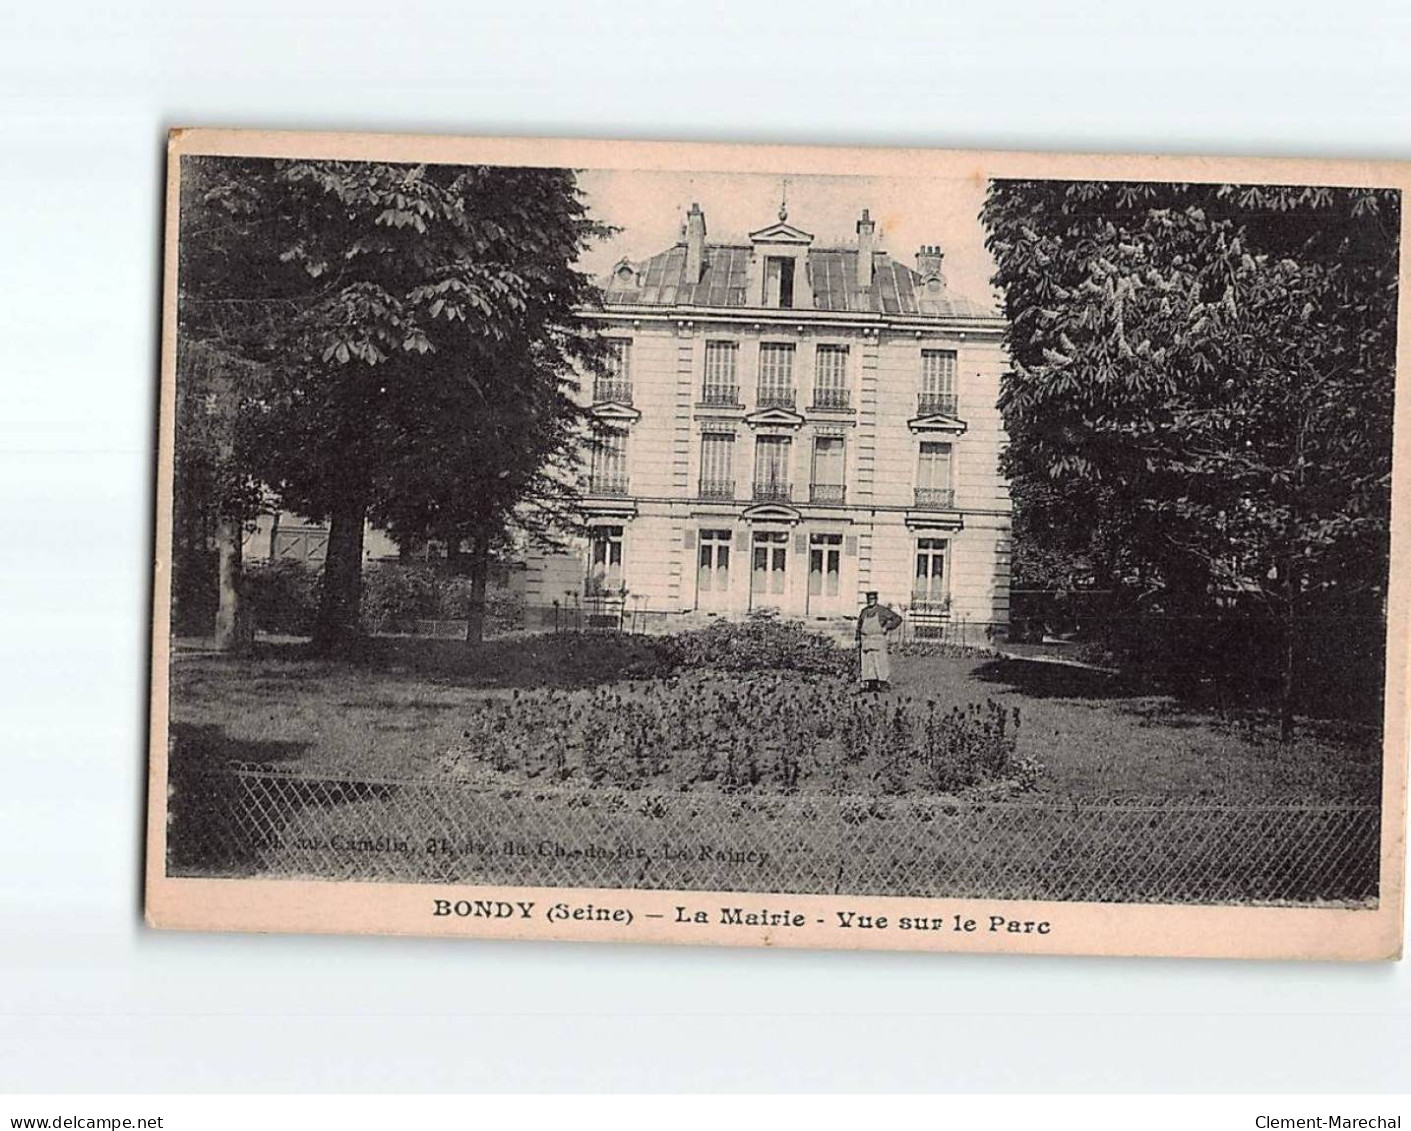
point(781, 546)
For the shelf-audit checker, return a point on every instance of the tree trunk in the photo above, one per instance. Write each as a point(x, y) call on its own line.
point(337, 627)
point(234, 629)
point(479, 573)
point(1286, 687)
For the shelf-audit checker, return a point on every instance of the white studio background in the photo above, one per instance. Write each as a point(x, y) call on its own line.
point(92, 1001)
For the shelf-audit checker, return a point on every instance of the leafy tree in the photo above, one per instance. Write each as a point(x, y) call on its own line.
point(487, 477)
point(214, 496)
point(1202, 382)
point(389, 311)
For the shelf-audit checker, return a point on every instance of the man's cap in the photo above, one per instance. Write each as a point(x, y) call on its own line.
point(872, 593)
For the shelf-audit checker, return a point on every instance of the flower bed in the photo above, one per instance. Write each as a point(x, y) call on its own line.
point(763, 731)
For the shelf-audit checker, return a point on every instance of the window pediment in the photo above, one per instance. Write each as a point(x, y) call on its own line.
point(772, 512)
point(616, 413)
point(598, 509)
point(774, 417)
point(939, 423)
point(932, 520)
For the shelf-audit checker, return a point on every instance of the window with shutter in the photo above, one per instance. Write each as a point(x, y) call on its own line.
point(771, 477)
point(827, 485)
point(933, 476)
point(717, 465)
point(722, 386)
point(830, 378)
point(937, 382)
point(776, 375)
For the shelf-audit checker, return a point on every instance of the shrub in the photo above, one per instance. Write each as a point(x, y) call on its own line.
point(761, 642)
point(396, 595)
point(504, 607)
point(283, 596)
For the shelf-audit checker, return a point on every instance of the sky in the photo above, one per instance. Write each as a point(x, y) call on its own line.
point(650, 206)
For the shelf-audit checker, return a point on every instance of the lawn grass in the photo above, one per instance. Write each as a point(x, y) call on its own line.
point(396, 713)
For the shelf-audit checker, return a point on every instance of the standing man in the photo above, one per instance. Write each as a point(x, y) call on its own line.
point(874, 624)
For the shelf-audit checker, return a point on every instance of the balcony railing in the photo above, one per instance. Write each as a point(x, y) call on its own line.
point(827, 493)
point(832, 398)
point(717, 488)
point(772, 491)
point(928, 403)
point(725, 396)
point(609, 484)
point(935, 498)
point(775, 398)
point(615, 389)
point(929, 604)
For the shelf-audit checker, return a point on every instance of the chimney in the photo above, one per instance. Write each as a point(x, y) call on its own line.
point(695, 244)
point(928, 262)
point(865, 232)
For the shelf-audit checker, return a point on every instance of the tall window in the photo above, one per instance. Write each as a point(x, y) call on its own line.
point(928, 586)
point(779, 281)
point(718, 465)
point(714, 562)
point(776, 375)
point(605, 560)
point(721, 383)
point(771, 467)
point(933, 475)
point(830, 377)
point(616, 384)
point(827, 485)
point(938, 381)
point(609, 463)
point(825, 555)
point(771, 557)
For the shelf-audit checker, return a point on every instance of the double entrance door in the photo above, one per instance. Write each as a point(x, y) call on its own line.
point(769, 565)
point(770, 557)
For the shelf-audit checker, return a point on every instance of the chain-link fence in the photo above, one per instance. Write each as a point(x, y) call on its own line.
point(255, 821)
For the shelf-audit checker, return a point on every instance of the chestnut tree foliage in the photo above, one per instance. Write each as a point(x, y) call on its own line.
point(406, 338)
point(1200, 402)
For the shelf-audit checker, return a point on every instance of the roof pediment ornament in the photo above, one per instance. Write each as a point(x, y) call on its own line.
point(782, 232)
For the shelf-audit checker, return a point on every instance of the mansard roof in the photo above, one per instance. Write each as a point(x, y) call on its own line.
point(896, 288)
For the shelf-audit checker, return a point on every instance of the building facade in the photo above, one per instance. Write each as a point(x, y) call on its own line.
point(787, 426)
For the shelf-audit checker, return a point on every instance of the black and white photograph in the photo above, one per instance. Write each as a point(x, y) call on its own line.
point(906, 535)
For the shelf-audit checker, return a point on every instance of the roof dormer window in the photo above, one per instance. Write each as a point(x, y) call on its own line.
point(779, 282)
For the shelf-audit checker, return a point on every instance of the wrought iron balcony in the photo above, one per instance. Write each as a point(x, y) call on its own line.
point(723, 396)
point(832, 398)
point(827, 493)
point(929, 403)
point(608, 484)
point(772, 491)
point(618, 390)
point(935, 498)
point(775, 398)
point(717, 489)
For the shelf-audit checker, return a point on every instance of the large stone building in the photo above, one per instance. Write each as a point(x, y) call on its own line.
point(789, 426)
